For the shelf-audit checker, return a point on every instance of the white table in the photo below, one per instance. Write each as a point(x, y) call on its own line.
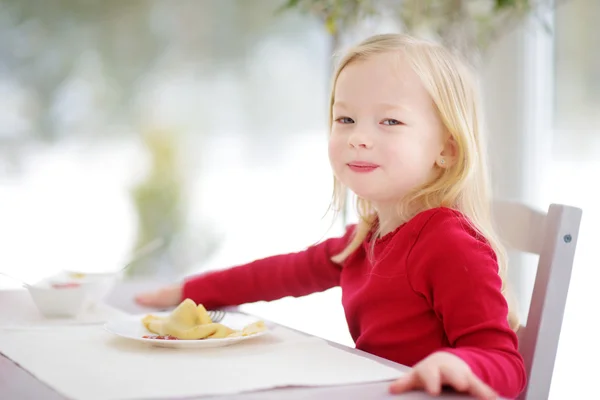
point(16, 383)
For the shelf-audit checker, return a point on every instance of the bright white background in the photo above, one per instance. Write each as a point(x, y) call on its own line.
point(266, 193)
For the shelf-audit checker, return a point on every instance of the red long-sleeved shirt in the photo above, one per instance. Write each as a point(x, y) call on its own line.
point(430, 285)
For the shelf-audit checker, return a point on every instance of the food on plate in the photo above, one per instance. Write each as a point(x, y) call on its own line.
point(191, 322)
point(160, 337)
point(65, 285)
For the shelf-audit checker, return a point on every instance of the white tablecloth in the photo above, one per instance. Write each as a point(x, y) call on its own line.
point(88, 363)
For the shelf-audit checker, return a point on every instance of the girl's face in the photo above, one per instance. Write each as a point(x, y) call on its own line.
point(386, 136)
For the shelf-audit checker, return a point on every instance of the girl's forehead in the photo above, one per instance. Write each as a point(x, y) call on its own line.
point(385, 77)
point(389, 65)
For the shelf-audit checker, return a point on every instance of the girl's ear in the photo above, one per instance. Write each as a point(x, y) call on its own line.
point(447, 156)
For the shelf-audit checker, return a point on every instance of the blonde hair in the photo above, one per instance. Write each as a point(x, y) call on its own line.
point(464, 185)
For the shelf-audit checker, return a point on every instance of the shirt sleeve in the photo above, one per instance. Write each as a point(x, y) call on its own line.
point(457, 272)
point(294, 274)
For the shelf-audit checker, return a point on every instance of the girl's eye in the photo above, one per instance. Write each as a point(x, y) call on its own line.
point(391, 122)
point(345, 120)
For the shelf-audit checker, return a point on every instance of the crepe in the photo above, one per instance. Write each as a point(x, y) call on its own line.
point(191, 322)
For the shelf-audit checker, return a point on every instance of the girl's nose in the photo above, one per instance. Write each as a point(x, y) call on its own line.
point(359, 138)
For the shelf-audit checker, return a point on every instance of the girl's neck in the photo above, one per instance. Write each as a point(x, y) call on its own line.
point(388, 219)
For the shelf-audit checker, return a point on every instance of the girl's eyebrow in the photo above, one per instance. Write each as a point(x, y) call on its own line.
point(381, 105)
point(393, 106)
point(384, 106)
point(340, 104)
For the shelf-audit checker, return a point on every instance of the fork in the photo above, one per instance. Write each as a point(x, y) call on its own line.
point(216, 315)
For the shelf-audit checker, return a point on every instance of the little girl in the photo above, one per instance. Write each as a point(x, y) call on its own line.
point(422, 273)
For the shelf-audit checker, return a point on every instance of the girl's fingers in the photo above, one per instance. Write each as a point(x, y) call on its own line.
point(144, 298)
point(427, 378)
point(150, 299)
point(458, 379)
point(467, 382)
point(431, 378)
point(165, 297)
point(404, 384)
point(480, 390)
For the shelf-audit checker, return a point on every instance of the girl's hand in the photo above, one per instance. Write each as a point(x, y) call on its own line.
point(168, 296)
point(439, 369)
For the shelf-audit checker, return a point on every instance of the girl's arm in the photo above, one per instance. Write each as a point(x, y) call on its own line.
point(457, 272)
point(271, 278)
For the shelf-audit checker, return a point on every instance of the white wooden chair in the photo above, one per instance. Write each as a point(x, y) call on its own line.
point(552, 236)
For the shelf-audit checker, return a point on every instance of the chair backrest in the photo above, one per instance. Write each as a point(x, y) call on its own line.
point(553, 236)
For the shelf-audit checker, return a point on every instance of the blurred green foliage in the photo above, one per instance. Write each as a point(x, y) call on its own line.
point(468, 25)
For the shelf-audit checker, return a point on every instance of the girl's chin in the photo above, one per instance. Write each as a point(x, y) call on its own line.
point(373, 195)
point(366, 193)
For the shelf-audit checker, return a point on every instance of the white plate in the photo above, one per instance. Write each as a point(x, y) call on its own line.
point(133, 329)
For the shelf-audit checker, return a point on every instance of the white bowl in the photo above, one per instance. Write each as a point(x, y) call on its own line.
point(102, 282)
point(55, 302)
point(67, 294)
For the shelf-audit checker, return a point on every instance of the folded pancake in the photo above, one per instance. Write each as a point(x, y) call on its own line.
point(251, 329)
point(191, 322)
